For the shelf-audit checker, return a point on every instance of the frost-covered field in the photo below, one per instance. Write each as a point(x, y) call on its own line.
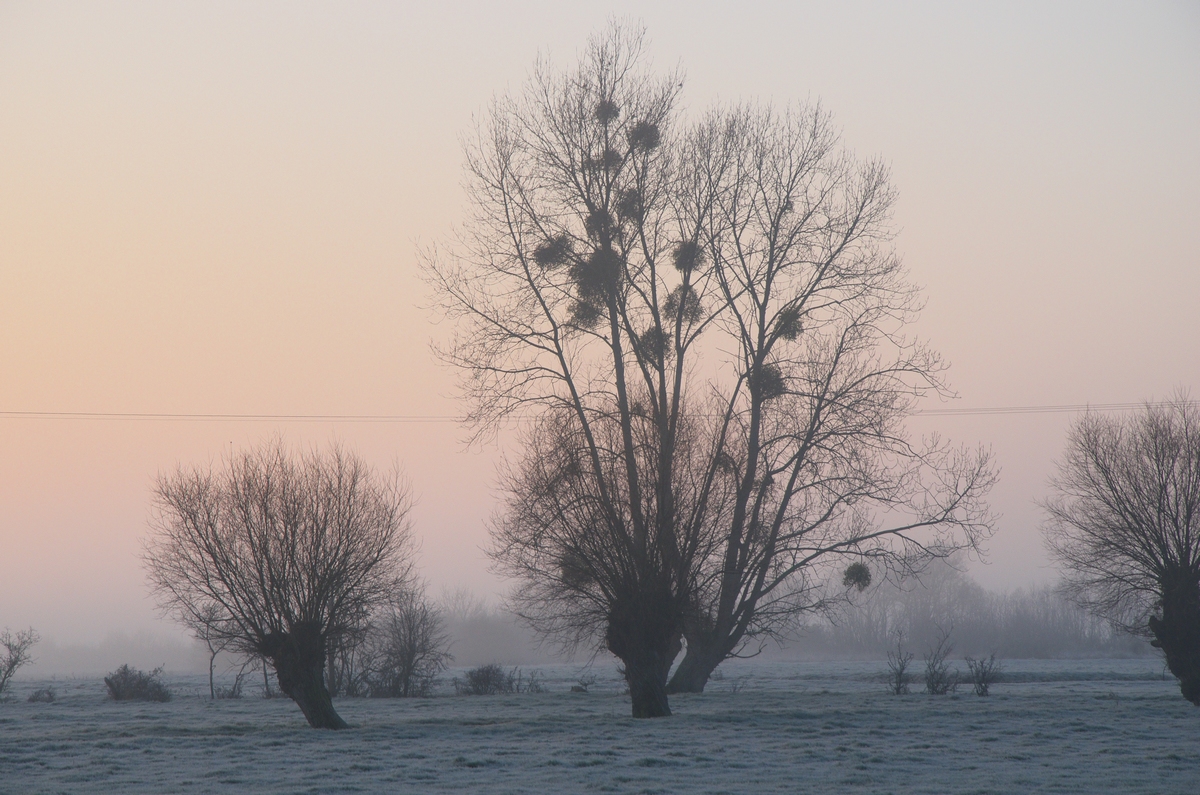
point(1079, 726)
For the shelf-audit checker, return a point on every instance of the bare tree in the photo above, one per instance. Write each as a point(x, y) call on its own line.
point(405, 649)
point(574, 285)
point(206, 627)
point(1125, 525)
point(281, 555)
point(16, 653)
point(897, 663)
point(703, 324)
point(814, 304)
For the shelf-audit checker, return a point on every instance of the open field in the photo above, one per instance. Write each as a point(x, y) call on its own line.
point(1056, 726)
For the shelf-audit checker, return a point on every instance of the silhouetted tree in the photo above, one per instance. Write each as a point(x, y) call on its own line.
point(703, 325)
point(281, 555)
point(897, 663)
point(812, 302)
point(1125, 526)
point(16, 653)
point(206, 628)
point(405, 649)
point(576, 287)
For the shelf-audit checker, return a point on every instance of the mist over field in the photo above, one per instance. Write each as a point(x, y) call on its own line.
point(1023, 624)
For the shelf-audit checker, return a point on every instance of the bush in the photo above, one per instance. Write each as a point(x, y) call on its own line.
point(493, 680)
point(234, 691)
point(531, 685)
point(940, 678)
point(130, 684)
point(486, 680)
point(983, 673)
point(44, 696)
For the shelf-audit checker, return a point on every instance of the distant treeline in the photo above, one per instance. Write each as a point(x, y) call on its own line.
point(1024, 623)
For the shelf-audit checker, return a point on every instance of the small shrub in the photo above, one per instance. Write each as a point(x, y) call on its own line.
point(940, 678)
point(234, 691)
point(898, 662)
point(534, 684)
point(487, 680)
point(493, 680)
point(44, 696)
point(983, 673)
point(130, 684)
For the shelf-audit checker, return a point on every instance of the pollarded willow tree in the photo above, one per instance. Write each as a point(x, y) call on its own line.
point(701, 324)
point(1125, 525)
point(281, 556)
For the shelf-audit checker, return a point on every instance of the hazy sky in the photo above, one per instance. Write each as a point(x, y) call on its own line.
point(216, 208)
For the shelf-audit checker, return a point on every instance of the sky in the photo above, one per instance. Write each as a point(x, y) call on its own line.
point(217, 208)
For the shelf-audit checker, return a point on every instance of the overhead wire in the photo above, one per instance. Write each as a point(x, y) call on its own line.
point(983, 411)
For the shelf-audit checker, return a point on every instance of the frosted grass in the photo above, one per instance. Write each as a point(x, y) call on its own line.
point(1055, 726)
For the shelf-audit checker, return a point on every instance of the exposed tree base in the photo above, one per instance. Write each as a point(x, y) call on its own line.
point(299, 660)
point(1177, 633)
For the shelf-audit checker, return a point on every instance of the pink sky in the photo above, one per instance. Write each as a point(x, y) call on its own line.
point(216, 208)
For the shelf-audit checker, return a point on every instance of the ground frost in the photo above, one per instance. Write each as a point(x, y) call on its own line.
point(1072, 727)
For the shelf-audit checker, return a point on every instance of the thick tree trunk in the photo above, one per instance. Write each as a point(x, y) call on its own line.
point(695, 669)
point(647, 689)
point(644, 634)
point(1177, 633)
point(299, 660)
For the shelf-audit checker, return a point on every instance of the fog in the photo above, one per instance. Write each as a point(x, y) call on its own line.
point(1025, 624)
point(217, 209)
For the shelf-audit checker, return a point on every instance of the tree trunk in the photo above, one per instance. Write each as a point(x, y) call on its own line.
point(647, 689)
point(1177, 633)
point(693, 672)
point(299, 660)
point(644, 635)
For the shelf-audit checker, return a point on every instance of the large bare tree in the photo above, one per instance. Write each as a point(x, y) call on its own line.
point(1125, 525)
point(574, 287)
point(812, 305)
point(281, 555)
point(701, 325)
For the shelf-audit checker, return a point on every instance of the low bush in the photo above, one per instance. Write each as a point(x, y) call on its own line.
point(130, 684)
point(983, 673)
point(44, 696)
point(940, 677)
point(486, 680)
point(493, 680)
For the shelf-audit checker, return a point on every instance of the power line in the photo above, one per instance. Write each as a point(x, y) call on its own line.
point(231, 418)
point(1065, 408)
